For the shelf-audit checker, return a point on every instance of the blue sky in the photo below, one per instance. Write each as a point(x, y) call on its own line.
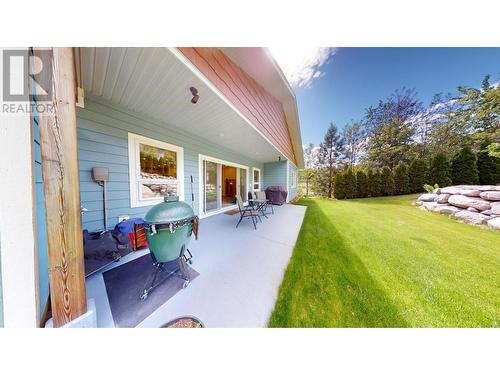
point(338, 84)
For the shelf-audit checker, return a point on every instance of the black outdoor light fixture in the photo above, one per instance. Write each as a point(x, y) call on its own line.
point(194, 92)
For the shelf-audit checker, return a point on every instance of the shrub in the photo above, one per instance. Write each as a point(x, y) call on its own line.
point(439, 170)
point(464, 167)
point(401, 179)
point(417, 175)
point(386, 181)
point(374, 183)
point(361, 184)
point(339, 190)
point(349, 184)
point(488, 167)
point(429, 188)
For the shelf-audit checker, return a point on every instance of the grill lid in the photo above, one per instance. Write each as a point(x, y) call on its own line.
point(171, 210)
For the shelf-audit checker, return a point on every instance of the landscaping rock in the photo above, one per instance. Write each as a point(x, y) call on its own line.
point(495, 208)
point(470, 192)
point(429, 205)
point(494, 223)
point(491, 195)
point(447, 209)
point(480, 187)
point(450, 190)
point(427, 197)
point(442, 198)
point(471, 217)
point(473, 204)
point(466, 202)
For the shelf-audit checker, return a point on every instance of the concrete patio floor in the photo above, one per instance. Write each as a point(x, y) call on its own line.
point(240, 272)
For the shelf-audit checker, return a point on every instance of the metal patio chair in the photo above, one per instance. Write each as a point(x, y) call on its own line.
point(261, 195)
point(247, 212)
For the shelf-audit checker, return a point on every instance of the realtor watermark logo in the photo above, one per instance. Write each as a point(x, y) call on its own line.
point(27, 82)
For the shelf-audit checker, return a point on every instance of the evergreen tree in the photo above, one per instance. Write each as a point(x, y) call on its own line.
point(339, 190)
point(354, 135)
point(488, 167)
point(392, 128)
point(349, 184)
point(464, 167)
point(361, 184)
point(329, 151)
point(439, 171)
point(373, 182)
point(417, 175)
point(386, 181)
point(401, 178)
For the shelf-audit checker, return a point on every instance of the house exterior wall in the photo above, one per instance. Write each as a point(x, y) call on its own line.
point(275, 174)
point(261, 108)
point(278, 174)
point(103, 141)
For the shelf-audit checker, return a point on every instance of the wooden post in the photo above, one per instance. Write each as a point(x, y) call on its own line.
point(61, 185)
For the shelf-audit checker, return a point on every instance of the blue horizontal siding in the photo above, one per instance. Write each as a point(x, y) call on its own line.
point(103, 129)
point(275, 174)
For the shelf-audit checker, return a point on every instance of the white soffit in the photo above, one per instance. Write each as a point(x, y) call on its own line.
point(153, 82)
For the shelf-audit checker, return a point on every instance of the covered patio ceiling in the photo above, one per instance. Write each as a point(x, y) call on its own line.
point(156, 82)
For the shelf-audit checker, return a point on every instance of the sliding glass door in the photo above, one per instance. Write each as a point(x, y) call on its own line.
point(221, 181)
point(211, 186)
point(242, 184)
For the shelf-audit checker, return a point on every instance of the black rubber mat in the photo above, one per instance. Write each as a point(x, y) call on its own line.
point(125, 284)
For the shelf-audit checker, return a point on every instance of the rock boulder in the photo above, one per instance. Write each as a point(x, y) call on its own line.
point(466, 202)
point(495, 208)
point(470, 192)
point(447, 209)
point(450, 190)
point(429, 197)
point(471, 217)
point(491, 195)
point(494, 223)
point(442, 198)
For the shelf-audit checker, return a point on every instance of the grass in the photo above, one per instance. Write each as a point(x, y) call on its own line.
point(381, 262)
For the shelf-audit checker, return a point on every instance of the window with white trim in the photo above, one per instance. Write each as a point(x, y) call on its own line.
point(256, 179)
point(156, 170)
point(293, 179)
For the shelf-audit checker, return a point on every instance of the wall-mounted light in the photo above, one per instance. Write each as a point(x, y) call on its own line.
point(279, 158)
point(194, 92)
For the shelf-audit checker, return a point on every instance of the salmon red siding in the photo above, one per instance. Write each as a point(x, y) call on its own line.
point(261, 108)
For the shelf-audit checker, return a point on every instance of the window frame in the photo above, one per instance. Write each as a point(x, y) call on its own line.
point(293, 182)
point(134, 141)
point(253, 179)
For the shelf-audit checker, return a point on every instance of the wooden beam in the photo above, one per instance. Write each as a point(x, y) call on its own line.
point(58, 142)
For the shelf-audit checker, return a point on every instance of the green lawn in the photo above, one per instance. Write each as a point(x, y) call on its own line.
point(381, 262)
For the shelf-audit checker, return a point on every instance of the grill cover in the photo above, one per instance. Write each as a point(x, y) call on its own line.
point(276, 194)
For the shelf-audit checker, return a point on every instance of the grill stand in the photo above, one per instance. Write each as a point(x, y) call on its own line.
point(180, 272)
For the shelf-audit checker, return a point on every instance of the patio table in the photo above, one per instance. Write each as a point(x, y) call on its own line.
point(260, 205)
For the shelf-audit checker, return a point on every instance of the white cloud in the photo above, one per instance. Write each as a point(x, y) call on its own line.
point(302, 66)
